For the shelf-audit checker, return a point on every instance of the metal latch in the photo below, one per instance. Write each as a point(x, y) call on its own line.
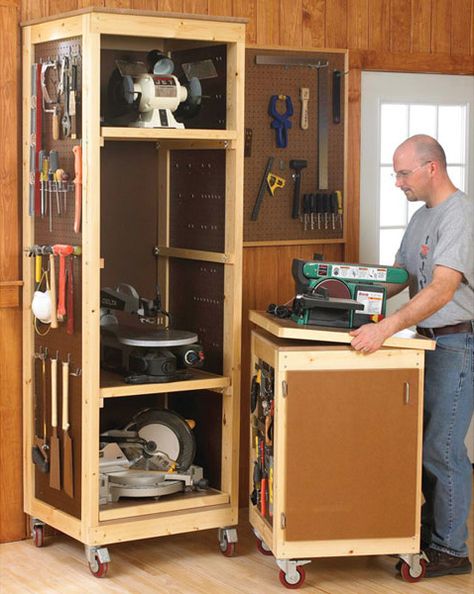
point(284, 388)
point(282, 521)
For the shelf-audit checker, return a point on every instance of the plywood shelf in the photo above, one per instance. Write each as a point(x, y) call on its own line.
point(133, 507)
point(187, 136)
point(113, 385)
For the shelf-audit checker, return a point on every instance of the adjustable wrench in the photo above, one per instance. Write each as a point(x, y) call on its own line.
point(65, 90)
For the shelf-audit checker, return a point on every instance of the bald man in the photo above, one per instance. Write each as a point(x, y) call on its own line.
point(438, 252)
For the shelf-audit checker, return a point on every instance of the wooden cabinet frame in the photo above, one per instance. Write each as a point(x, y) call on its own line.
point(99, 28)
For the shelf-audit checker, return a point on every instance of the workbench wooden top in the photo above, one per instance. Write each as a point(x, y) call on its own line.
point(285, 328)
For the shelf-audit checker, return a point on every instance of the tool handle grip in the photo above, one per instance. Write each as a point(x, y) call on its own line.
point(65, 411)
point(77, 150)
point(38, 265)
point(52, 283)
point(72, 113)
point(54, 393)
point(62, 288)
point(70, 297)
point(295, 213)
point(55, 125)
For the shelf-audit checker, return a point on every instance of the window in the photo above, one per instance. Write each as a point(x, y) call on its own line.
point(398, 121)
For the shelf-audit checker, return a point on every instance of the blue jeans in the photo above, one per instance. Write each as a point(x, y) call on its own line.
point(447, 471)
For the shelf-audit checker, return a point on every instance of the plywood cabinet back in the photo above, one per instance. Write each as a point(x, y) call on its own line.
point(354, 439)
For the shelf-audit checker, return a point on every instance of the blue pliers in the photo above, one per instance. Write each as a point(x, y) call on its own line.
point(281, 121)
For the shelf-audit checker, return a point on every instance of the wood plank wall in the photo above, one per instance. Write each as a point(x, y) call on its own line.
point(392, 35)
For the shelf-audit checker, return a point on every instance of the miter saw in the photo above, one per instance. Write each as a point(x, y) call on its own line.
point(150, 457)
point(149, 93)
point(151, 353)
point(341, 295)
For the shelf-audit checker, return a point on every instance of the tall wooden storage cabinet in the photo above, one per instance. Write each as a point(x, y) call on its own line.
point(159, 206)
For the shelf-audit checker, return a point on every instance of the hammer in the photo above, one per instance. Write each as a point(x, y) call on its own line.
point(62, 250)
point(297, 165)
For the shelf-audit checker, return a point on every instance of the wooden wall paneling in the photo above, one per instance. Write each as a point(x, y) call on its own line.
point(170, 5)
point(124, 4)
point(314, 23)
point(145, 4)
point(33, 9)
point(268, 23)
point(220, 7)
point(248, 9)
point(421, 26)
point(336, 23)
point(462, 27)
point(195, 6)
point(59, 6)
point(12, 519)
point(379, 25)
point(441, 26)
point(291, 23)
point(358, 24)
point(400, 25)
point(89, 3)
point(352, 197)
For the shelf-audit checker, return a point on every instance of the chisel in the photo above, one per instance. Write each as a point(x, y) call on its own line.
point(68, 477)
point(55, 463)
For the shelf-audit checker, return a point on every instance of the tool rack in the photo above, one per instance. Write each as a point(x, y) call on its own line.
point(335, 446)
point(157, 205)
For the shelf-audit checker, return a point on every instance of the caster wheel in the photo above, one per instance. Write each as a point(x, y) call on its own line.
point(38, 535)
point(262, 548)
point(407, 572)
point(292, 585)
point(98, 569)
point(227, 548)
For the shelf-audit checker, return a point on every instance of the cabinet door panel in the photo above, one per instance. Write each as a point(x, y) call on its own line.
point(351, 454)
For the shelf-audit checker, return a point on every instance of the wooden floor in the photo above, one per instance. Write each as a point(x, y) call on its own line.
point(192, 564)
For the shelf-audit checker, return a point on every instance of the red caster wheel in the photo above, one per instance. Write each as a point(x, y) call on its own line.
point(38, 535)
point(98, 568)
point(262, 548)
point(227, 548)
point(408, 575)
point(292, 585)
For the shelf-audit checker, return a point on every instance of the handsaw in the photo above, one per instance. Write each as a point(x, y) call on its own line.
point(68, 468)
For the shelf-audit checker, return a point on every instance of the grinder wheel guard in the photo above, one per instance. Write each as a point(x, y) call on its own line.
point(167, 432)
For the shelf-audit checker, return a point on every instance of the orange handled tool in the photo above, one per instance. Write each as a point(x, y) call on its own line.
point(62, 251)
point(77, 150)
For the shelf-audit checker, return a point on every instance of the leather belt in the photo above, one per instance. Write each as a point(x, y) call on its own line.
point(454, 329)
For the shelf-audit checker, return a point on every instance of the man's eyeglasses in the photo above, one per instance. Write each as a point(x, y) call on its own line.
point(407, 172)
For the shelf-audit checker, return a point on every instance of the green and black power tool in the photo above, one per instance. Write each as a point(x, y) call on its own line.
point(341, 295)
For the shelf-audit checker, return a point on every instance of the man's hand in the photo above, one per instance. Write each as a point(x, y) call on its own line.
point(369, 337)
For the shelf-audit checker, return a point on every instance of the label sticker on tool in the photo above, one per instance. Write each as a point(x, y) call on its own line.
point(359, 272)
point(372, 302)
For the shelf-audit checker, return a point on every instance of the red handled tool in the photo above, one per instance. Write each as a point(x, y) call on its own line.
point(62, 251)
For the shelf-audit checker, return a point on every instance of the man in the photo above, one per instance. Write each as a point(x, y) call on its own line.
point(438, 252)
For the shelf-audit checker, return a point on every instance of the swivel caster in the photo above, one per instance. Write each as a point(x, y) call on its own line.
point(292, 581)
point(37, 532)
point(262, 547)
point(227, 541)
point(413, 567)
point(292, 574)
point(98, 559)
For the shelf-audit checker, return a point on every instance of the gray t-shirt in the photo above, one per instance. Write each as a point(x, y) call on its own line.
point(443, 235)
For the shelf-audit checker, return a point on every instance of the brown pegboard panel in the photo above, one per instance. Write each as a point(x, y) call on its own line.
point(197, 199)
point(57, 341)
point(274, 222)
point(196, 303)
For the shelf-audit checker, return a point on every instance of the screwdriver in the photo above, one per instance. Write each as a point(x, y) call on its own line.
point(319, 207)
point(306, 210)
point(339, 207)
point(43, 178)
point(53, 167)
point(313, 209)
point(333, 207)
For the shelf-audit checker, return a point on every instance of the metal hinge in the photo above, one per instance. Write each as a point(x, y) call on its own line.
point(284, 389)
point(407, 393)
point(282, 521)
